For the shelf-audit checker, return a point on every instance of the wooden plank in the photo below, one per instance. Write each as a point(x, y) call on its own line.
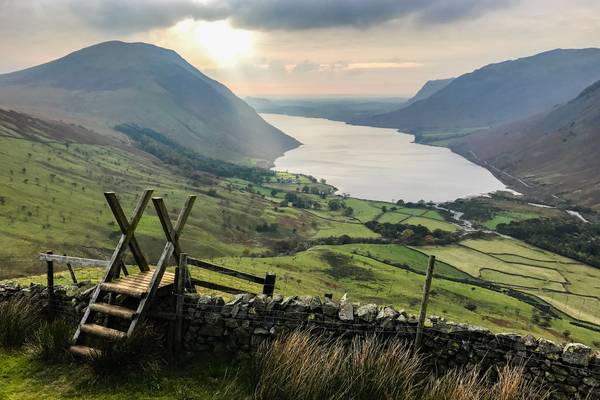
point(225, 271)
point(180, 279)
point(84, 351)
point(102, 331)
point(115, 288)
point(71, 272)
point(216, 286)
point(113, 310)
point(172, 234)
point(424, 301)
point(269, 286)
point(50, 284)
point(124, 225)
point(77, 261)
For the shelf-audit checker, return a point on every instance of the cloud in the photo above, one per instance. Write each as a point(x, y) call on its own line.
point(132, 16)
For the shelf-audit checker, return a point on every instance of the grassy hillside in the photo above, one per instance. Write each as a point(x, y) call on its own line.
point(553, 153)
point(51, 198)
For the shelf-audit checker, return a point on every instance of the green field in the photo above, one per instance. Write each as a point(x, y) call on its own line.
point(557, 280)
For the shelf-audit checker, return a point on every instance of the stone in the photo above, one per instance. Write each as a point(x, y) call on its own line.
point(386, 317)
point(346, 312)
point(329, 308)
point(367, 313)
point(577, 354)
point(591, 381)
point(546, 346)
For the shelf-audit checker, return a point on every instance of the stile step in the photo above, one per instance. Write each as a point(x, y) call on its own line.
point(84, 351)
point(113, 310)
point(125, 290)
point(102, 331)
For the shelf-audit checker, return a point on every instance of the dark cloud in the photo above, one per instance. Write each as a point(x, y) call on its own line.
point(139, 15)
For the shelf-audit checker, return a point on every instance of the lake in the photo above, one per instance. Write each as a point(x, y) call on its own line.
point(378, 163)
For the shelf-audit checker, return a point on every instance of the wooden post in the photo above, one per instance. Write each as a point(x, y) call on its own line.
point(71, 272)
point(269, 286)
point(424, 301)
point(50, 284)
point(180, 278)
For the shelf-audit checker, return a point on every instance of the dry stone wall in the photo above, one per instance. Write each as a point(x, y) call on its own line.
point(241, 325)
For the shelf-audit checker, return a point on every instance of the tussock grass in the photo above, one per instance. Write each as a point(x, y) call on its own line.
point(18, 321)
point(302, 366)
point(51, 341)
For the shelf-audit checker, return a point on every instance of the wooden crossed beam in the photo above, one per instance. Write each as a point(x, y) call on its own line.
point(171, 248)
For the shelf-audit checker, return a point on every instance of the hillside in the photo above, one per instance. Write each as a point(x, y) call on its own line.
point(117, 83)
point(555, 152)
point(499, 93)
point(429, 88)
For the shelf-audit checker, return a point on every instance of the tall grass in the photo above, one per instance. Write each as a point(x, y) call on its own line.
point(51, 341)
point(18, 321)
point(301, 366)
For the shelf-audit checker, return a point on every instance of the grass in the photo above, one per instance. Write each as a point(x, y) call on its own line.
point(554, 279)
point(18, 322)
point(369, 368)
point(432, 224)
point(26, 379)
point(506, 217)
point(298, 366)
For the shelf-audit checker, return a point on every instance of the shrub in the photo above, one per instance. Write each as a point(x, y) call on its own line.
point(18, 321)
point(50, 343)
point(142, 351)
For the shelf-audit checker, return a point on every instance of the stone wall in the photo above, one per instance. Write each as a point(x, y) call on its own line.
point(239, 326)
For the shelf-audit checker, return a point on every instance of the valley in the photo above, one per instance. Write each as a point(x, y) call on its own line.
point(288, 224)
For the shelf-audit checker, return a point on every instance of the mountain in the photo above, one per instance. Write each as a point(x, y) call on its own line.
point(139, 84)
point(336, 109)
point(430, 87)
point(499, 93)
point(554, 152)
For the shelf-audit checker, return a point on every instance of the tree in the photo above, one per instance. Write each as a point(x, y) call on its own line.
point(334, 205)
point(348, 211)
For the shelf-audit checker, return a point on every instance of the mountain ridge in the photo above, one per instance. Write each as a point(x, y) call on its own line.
point(500, 92)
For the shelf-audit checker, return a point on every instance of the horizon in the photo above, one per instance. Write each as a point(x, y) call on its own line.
point(285, 49)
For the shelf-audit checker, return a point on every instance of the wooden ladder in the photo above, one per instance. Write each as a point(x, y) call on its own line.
point(141, 288)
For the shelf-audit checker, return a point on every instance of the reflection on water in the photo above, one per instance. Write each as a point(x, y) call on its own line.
point(378, 163)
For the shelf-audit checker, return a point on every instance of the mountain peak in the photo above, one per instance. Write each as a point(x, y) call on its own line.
point(115, 83)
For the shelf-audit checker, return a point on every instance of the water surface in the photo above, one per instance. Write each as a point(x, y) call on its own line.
point(378, 163)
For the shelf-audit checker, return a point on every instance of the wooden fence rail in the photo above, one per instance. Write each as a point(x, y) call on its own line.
point(268, 281)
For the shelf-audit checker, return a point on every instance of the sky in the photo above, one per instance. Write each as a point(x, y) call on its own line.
point(311, 48)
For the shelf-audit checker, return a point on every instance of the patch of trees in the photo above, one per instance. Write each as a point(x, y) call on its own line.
point(189, 161)
point(414, 235)
point(566, 237)
point(300, 201)
point(473, 209)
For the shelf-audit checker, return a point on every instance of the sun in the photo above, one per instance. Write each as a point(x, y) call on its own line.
point(221, 42)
